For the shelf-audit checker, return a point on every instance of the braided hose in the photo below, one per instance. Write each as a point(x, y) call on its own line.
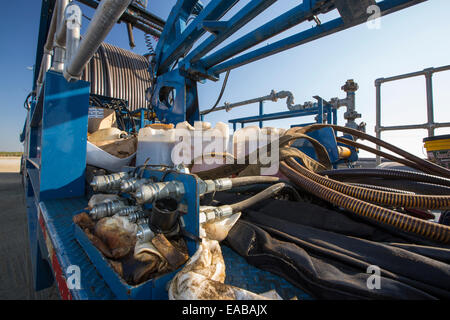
point(432, 231)
point(405, 162)
point(380, 197)
point(422, 188)
point(380, 188)
point(387, 174)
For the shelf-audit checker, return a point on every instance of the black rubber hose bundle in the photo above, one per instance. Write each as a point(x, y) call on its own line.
point(376, 196)
point(424, 228)
point(387, 174)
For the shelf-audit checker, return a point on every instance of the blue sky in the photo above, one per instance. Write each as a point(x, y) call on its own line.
point(409, 40)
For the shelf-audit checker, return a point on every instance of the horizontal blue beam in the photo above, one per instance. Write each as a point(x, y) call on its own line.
point(213, 11)
point(386, 7)
point(283, 22)
point(251, 10)
point(281, 115)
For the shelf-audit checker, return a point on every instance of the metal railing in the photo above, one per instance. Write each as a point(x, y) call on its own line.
point(430, 125)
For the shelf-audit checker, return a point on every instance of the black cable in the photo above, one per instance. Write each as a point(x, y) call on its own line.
point(26, 104)
point(220, 95)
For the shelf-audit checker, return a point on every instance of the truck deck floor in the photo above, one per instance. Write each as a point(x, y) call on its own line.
point(58, 217)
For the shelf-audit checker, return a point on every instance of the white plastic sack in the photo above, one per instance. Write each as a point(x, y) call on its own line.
point(102, 159)
point(218, 230)
point(203, 277)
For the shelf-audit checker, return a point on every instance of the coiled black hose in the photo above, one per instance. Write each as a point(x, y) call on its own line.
point(380, 188)
point(380, 197)
point(425, 165)
point(423, 188)
point(433, 231)
point(392, 174)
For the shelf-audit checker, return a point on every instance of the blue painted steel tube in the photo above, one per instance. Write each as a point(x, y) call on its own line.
point(251, 10)
point(282, 45)
point(277, 115)
point(214, 10)
point(386, 7)
point(320, 111)
point(179, 11)
point(261, 112)
point(285, 21)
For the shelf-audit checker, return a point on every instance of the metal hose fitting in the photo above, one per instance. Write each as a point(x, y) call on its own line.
point(144, 233)
point(108, 182)
point(145, 220)
point(160, 190)
point(129, 210)
point(106, 209)
point(211, 214)
point(136, 216)
point(132, 184)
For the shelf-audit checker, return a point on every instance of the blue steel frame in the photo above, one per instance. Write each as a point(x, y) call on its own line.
point(320, 109)
point(56, 126)
point(178, 39)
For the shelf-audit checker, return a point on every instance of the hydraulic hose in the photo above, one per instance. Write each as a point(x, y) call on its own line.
point(263, 195)
point(380, 188)
point(426, 165)
point(380, 197)
point(433, 231)
point(392, 174)
point(243, 181)
point(422, 188)
point(379, 153)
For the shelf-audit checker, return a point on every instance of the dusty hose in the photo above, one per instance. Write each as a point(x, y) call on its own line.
point(387, 174)
point(380, 197)
point(263, 195)
point(243, 181)
point(433, 231)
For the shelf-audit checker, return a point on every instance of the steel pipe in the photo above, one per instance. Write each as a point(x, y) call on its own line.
point(106, 15)
point(73, 28)
point(59, 50)
point(60, 36)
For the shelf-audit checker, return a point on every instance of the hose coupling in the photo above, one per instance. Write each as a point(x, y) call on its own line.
point(144, 233)
point(127, 211)
point(108, 182)
point(211, 214)
point(136, 216)
point(210, 186)
point(106, 209)
point(160, 190)
point(132, 184)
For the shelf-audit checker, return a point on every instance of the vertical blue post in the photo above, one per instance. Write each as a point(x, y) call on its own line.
point(142, 118)
point(320, 111)
point(334, 116)
point(234, 126)
point(202, 117)
point(329, 115)
point(261, 112)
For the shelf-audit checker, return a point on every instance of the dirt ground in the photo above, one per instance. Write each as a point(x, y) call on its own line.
point(9, 164)
point(16, 274)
